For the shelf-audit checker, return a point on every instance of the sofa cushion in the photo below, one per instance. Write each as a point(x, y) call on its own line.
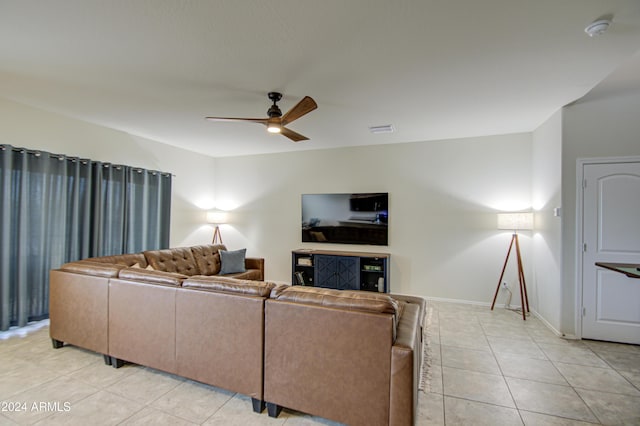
point(152, 276)
point(364, 301)
point(208, 258)
point(230, 285)
point(232, 262)
point(178, 260)
point(249, 274)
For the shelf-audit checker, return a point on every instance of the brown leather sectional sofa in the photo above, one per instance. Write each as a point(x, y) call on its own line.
point(349, 356)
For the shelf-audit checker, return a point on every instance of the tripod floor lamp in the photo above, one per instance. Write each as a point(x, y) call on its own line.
point(217, 217)
point(515, 222)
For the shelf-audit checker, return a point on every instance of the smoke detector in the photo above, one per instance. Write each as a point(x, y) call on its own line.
point(598, 27)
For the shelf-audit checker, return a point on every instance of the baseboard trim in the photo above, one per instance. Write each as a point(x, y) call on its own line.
point(470, 302)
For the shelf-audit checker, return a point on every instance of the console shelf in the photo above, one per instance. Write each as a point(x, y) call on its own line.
point(342, 270)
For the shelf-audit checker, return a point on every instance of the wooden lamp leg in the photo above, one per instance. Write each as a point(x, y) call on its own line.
point(523, 285)
point(217, 236)
point(504, 267)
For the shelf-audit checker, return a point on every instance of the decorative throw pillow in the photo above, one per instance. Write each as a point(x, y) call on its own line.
point(232, 261)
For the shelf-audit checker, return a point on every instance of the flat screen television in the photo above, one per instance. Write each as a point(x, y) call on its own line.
point(346, 218)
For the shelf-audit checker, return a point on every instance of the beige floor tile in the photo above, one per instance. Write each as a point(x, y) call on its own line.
point(20, 379)
point(193, 401)
point(4, 421)
point(622, 360)
point(510, 332)
point(102, 408)
point(479, 387)
point(632, 376)
point(430, 409)
point(237, 412)
point(469, 359)
point(461, 324)
point(596, 378)
point(556, 400)
point(599, 346)
point(613, 409)
point(55, 394)
point(100, 375)
point(145, 386)
point(523, 367)
point(537, 419)
point(516, 346)
point(462, 339)
point(152, 417)
point(572, 354)
point(464, 412)
point(10, 362)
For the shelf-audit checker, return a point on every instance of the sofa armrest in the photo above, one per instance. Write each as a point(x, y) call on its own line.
point(96, 269)
point(405, 367)
point(255, 263)
point(78, 309)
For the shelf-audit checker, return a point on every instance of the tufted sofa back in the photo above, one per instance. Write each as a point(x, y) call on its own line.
point(208, 258)
point(178, 260)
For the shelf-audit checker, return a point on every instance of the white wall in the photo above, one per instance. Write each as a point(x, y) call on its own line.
point(27, 127)
point(592, 127)
point(545, 291)
point(443, 199)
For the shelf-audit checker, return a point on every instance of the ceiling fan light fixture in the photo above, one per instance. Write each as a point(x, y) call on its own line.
point(274, 127)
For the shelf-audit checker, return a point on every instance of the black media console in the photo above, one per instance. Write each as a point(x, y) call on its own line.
point(342, 270)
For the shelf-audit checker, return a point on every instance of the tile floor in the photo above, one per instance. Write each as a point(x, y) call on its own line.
point(485, 368)
point(493, 368)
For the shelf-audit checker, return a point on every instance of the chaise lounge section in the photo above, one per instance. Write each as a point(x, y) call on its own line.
point(349, 356)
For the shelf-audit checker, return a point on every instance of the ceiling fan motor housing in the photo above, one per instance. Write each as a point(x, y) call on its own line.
point(274, 111)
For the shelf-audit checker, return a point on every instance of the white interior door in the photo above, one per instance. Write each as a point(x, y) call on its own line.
point(611, 233)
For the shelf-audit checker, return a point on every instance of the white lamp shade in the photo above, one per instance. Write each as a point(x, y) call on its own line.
point(216, 216)
point(515, 221)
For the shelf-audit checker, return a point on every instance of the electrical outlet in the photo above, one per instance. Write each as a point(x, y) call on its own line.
point(504, 285)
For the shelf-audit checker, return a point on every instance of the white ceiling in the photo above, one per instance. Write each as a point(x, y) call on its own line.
point(435, 69)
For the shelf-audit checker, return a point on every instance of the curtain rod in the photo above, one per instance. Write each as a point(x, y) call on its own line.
point(38, 153)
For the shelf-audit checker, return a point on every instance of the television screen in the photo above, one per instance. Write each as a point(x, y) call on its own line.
point(346, 218)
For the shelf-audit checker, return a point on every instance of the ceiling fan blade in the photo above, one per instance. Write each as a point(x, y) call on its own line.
point(296, 137)
point(252, 120)
point(305, 106)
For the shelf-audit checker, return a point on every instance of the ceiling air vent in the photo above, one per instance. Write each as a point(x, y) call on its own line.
point(387, 128)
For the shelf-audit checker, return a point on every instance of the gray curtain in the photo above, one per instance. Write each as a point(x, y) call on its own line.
point(55, 209)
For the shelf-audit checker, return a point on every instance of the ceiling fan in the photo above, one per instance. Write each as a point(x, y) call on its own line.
point(276, 122)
